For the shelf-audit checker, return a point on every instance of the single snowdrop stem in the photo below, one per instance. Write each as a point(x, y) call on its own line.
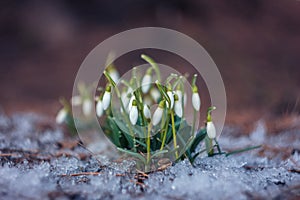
point(153, 65)
point(211, 132)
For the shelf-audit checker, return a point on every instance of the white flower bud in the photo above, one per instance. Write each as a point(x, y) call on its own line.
point(179, 94)
point(196, 101)
point(211, 130)
point(147, 112)
point(146, 83)
point(87, 107)
point(155, 94)
point(106, 98)
point(170, 95)
point(133, 115)
point(114, 74)
point(99, 108)
point(61, 116)
point(158, 113)
point(76, 100)
point(178, 108)
point(130, 103)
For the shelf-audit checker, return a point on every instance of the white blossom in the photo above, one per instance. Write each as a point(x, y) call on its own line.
point(171, 97)
point(114, 74)
point(61, 116)
point(179, 94)
point(196, 101)
point(211, 130)
point(158, 113)
point(87, 107)
point(76, 100)
point(147, 112)
point(106, 99)
point(146, 83)
point(99, 108)
point(178, 108)
point(133, 115)
point(130, 103)
point(155, 94)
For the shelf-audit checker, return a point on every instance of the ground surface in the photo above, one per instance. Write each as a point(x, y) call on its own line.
point(38, 162)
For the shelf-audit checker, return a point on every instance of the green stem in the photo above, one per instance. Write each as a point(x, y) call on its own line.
point(148, 144)
point(174, 134)
point(165, 130)
point(194, 122)
point(153, 64)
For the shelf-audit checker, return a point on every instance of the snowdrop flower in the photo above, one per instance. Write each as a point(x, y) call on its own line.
point(177, 106)
point(125, 99)
point(76, 100)
point(61, 116)
point(130, 103)
point(99, 108)
point(87, 107)
point(147, 112)
point(106, 97)
point(179, 94)
point(158, 113)
point(146, 82)
point(113, 73)
point(133, 115)
point(196, 98)
point(210, 127)
point(170, 95)
point(155, 94)
point(211, 130)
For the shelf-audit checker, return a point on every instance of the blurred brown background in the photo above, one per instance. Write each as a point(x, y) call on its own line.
point(255, 44)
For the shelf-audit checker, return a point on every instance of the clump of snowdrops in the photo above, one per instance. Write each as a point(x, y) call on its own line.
point(149, 137)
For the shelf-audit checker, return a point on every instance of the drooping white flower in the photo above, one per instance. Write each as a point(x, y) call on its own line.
point(179, 94)
point(76, 100)
point(171, 97)
point(155, 94)
point(115, 76)
point(130, 103)
point(125, 99)
point(99, 108)
point(133, 115)
point(177, 106)
point(158, 113)
point(87, 107)
point(61, 116)
point(106, 98)
point(196, 101)
point(211, 130)
point(146, 83)
point(147, 112)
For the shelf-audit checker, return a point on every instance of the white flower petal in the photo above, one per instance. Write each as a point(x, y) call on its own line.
point(155, 94)
point(178, 108)
point(179, 94)
point(196, 101)
point(106, 100)
point(133, 115)
point(76, 100)
point(99, 109)
point(157, 116)
point(170, 95)
point(211, 130)
point(146, 83)
point(114, 74)
point(61, 116)
point(147, 112)
point(87, 107)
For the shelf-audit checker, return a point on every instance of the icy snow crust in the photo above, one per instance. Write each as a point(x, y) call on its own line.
point(35, 166)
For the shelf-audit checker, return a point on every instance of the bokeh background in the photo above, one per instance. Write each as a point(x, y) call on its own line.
point(255, 44)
